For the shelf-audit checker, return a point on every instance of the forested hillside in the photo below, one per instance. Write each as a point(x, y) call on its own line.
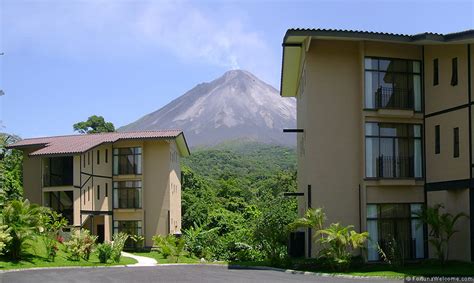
point(233, 203)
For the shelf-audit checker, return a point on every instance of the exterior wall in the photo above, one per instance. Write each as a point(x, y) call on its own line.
point(332, 98)
point(32, 176)
point(175, 190)
point(156, 194)
point(444, 95)
point(455, 201)
point(443, 166)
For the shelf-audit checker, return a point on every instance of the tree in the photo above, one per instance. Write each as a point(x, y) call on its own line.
point(11, 173)
point(94, 124)
point(441, 228)
point(24, 221)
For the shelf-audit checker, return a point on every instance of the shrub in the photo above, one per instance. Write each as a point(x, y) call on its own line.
point(81, 244)
point(4, 238)
point(199, 242)
point(117, 245)
point(338, 242)
point(170, 246)
point(394, 253)
point(139, 241)
point(24, 222)
point(104, 251)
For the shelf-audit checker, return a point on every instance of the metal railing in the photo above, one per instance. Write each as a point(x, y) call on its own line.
point(394, 98)
point(395, 167)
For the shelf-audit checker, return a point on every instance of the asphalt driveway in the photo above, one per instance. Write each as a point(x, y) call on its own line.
point(175, 273)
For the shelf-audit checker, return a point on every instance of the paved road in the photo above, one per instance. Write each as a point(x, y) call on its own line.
point(189, 273)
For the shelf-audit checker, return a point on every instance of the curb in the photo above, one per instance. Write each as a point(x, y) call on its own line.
point(319, 274)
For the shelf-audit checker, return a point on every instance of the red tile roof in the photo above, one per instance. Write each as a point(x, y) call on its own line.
point(73, 144)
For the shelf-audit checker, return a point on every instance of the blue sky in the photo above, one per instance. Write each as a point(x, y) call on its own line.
point(66, 60)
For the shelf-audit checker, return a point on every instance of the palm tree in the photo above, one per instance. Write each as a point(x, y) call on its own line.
point(23, 221)
point(313, 218)
point(441, 228)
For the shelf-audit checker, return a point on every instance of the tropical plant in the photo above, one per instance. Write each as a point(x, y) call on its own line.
point(80, 244)
point(338, 242)
point(4, 238)
point(393, 253)
point(170, 246)
point(138, 240)
point(118, 245)
point(441, 227)
point(53, 223)
point(24, 222)
point(104, 252)
point(313, 218)
point(199, 240)
point(94, 124)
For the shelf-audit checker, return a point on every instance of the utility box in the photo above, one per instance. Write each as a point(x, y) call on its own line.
point(296, 244)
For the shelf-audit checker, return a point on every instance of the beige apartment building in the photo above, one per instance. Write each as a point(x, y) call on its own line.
point(384, 125)
point(109, 182)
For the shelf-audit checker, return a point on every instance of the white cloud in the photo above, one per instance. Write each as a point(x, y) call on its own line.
point(120, 28)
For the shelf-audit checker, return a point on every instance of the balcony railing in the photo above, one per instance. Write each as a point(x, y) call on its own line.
point(395, 167)
point(394, 98)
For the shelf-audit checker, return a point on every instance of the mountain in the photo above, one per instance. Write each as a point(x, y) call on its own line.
point(236, 106)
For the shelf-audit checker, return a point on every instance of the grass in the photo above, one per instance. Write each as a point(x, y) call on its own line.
point(424, 268)
point(161, 259)
point(36, 256)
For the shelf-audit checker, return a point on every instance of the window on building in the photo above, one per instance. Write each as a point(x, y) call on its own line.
point(106, 156)
point(106, 189)
point(130, 228)
point(127, 161)
point(456, 142)
point(454, 72)
point(98, 157)
point(58, 171)
point(84, 196)
point(88, 193)
point(61, 202)
point(84, 160)
point(98, 192)
point(399, 223)
point(88, 158)
point(127, 194)
point(393, 150)
point(392, 84)
point(437, 139)
point(435, 72)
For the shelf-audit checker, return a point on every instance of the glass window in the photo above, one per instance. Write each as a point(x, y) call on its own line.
point(437, 139)
point(390, 224)
point(392, 83)
point(127, 161)
point(127, 194)
point(454, 72)
point(456, 142)
point(393, 150)
point(435, 72)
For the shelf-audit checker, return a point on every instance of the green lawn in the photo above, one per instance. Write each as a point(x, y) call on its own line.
point(426, 268)
point(161, 259)
point(36, 256)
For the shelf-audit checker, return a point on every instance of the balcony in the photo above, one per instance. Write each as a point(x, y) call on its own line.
point(58, 171)
point(394, 98)
point(395, 167)
point(52, 180)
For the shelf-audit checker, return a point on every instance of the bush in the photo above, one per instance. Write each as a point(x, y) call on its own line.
point(117, 246)
point(4, 238)
point(81, 244)
point(105, 252)
point(24, 222)
point(170, 246)
point(139, 241)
